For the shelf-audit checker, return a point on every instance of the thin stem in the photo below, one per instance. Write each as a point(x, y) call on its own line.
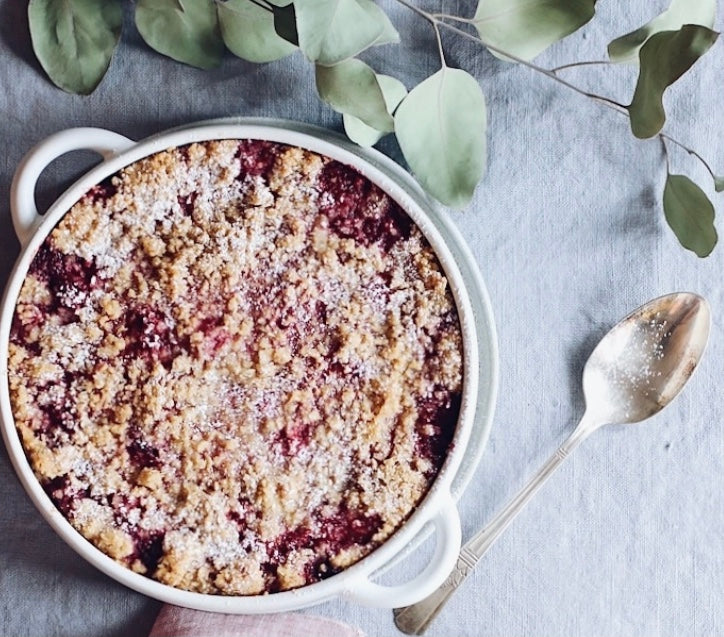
point(575, 64)
point(423, 14)
point(433, 20)
point(439, 44)
point(534, 67)
point(692, 152)
point(454, 18)
point(666, 152)
point(435, 25)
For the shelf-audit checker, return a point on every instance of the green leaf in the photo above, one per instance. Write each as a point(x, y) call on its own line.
point(525, 28)
point(351, 87)
point(248, 30)
point(680, 12)
point(664, 58)
point(331, 31)
point(389, 34)
point(74, 40)
point(441, 128)
point(690, 214)
point(185, 30)
point(719, 183)
point(393, 92)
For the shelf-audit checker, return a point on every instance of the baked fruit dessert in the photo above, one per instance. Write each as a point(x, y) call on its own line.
point(236, 366)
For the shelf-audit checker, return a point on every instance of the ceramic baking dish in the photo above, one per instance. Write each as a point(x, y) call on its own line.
point(437, 511)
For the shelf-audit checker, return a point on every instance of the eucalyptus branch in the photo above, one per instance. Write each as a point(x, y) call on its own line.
point(691, 152)
point(690, 202)
point(576, 64)
point(437, 20)
point(530, 65)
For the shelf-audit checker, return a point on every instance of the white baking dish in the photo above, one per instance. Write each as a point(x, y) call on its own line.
point(479, 342)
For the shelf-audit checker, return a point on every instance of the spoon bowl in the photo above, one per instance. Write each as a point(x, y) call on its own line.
point(642, 364)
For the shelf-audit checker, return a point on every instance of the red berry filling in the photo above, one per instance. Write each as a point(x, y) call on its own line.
point(187, 202)
point(330, 535)
point(257, 157)
point(149, 549)
point(357, 209)
point(435, 426)
point(102, 192)
point(69, 277)
point(141, 452)
point(63, 494)
point(292, 440)
point(149, 335)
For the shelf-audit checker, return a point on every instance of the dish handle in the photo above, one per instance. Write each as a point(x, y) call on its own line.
point(447, 547)
point(22, 191)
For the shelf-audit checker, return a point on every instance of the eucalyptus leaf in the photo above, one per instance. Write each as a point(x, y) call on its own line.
point(441, 127)
point(360, 133)
point(74, 40)
point(680, 12)
point(690, 214)
point(664, 58)
point(389, 34)
point(185, 30)
point(249, 33)
point(331, 31)
point(351, 87)
point(719, 183)
point(525, 28)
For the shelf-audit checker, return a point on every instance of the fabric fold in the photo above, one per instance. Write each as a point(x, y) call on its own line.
point(174, 621)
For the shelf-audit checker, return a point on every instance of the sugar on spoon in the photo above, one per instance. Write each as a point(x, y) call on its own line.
point(637, 369)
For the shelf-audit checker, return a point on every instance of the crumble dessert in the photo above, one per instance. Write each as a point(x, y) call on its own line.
point(236, 367)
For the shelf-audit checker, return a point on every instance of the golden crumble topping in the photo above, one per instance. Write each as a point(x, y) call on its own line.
point(236, 367)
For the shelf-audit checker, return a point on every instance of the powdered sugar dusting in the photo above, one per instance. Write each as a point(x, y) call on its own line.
point(236, 367)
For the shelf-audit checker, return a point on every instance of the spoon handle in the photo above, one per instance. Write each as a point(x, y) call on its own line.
point(415, 619)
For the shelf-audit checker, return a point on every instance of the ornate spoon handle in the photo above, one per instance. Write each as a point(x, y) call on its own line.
point(415, 619)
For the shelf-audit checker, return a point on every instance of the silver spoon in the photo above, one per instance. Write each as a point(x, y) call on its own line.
point(635, 371)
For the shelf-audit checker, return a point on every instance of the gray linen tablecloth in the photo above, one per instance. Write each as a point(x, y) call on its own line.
point(567, 228)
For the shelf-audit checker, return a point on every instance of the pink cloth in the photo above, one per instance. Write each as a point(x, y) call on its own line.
point(173, 621)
